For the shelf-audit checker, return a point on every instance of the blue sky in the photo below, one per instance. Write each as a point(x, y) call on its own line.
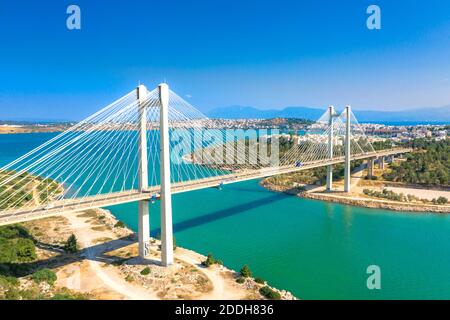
point(215, 53)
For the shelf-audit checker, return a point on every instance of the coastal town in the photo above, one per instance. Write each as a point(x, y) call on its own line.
point(397, 133)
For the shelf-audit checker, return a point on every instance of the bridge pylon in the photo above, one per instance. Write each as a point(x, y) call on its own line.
point(143, 205)
point(330, 147)
point(166, 196)
point(347, 149)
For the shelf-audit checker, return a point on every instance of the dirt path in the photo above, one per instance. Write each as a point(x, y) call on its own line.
point(98, 275)
point(103, 276)
point(223, 286)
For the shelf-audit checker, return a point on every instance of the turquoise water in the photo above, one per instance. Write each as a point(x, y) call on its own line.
point(316, 250)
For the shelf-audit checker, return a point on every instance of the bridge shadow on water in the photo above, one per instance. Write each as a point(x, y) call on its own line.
point(225, 213)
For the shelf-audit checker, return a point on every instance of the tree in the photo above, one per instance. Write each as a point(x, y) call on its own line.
point(269, 293)
point(146, 271)
point(209, 261)
point(71, 245)
point(245, 271)
point(44, 275)
point(442, 200)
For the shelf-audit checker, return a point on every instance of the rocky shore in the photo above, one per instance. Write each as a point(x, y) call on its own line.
point(107, 265)
point(183, 257)
point(359, 201)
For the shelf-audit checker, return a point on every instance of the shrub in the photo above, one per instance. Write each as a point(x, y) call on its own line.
point(44, 275)
point(12, 294)
point(259, 280)
point(240, 280)
point(63, 296)
point(25, 250)
point(269, 293)
point(209, 261)
point(5, 280)
point(245, 271)
point(442, 200)
point(71, 245)
point(66, 294)
point(119, 224)
point(16, 245)
point(145, 271)
point(129, 278)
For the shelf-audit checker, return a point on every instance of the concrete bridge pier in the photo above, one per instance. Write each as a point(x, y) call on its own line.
point(330, 148)
point(390, 159)
point(381, 163)
point(144, 228)
point(370, 167)
point(143, 205)
point(347, 172)
point(166, 196)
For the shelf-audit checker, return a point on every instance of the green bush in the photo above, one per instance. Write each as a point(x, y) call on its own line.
point(16, 245)
point(146, 271)
point(260, 280)
point(26, 250)
point(44, 275)
point(66, 294)
point(119, 224)
point(245, 271)
point(240, 280)
point(63, 296)
point(442, 200)
point(12, 294)
point(209, 261)
point(385, 194)
point(269, 293)
point(129, 278)
point(71, 245)
point(8, 280)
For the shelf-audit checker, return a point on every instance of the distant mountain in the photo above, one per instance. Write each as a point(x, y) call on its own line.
point(441, 114)
point(241, 112)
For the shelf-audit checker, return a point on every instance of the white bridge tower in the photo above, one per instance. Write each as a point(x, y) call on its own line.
point(165, 193)
point(143, 205)
point(330, 147)
point(347, 172)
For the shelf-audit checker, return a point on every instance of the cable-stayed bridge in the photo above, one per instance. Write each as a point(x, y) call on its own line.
point(150, 144)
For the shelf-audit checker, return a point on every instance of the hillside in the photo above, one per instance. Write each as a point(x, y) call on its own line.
point(441, 114)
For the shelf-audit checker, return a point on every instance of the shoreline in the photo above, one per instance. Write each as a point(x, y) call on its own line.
point(6, 130)
point(371, 203)
point(194, 257)
point(107, 265)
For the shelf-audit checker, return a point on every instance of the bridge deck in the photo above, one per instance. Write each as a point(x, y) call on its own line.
point(98, 201)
